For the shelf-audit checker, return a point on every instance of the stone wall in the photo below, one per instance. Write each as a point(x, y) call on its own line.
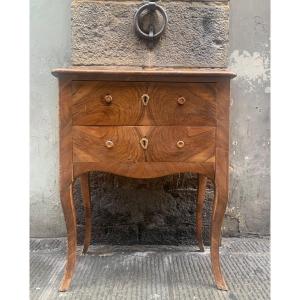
point(196, 35)
point(156, 211)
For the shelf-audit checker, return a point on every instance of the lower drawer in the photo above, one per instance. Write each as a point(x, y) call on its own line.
point(143, 143)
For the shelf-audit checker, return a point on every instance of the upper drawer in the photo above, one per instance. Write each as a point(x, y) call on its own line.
point(143, 103)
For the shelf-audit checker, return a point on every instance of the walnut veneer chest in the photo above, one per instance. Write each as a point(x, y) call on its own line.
point(144, 123)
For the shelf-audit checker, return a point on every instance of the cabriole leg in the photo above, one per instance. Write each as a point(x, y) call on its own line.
point(219, 207)
point(85, 190)
point(199, 208)
point(70, 218)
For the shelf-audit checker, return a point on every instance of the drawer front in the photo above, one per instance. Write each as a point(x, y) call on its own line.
point(184, 104)
point(102, 103)
point(114, 143)
point(184, 144)
point(143, 144)
point(143, 103)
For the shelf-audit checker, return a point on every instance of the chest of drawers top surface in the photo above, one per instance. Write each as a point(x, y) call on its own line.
point(132, 73)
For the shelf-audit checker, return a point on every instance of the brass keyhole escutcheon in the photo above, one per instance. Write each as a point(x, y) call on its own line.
point(144, 143)
point(181, 100)
point(108, 99)
point(145, 99)
point(180, 144)
point(109, 144)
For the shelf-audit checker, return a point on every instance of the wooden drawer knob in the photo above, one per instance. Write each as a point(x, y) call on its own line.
point(181, 100)
point(109, 144)
point(145, 99)
point(108, 99)
point(180, 144)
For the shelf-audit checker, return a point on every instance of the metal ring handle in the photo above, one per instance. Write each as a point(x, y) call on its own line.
point(151, 6)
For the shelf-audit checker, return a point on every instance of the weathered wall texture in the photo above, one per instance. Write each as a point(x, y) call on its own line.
point(159, 210)
point(103, 34)
point(49, 48)
point(250, 115)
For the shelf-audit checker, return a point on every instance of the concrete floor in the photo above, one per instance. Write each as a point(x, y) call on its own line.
point(151, 272)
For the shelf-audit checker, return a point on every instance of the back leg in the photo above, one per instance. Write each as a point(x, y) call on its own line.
point(202, 180)
point(85, 190)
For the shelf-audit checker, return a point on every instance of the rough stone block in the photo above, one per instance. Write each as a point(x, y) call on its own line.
point(196, 35)
point(153, 211)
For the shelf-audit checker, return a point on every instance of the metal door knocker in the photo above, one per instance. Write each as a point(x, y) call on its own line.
point(153, 32)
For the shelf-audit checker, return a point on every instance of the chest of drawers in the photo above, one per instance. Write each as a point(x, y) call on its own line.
point(143, 123)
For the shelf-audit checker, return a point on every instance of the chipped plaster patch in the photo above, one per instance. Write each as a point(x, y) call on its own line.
point(251, 68)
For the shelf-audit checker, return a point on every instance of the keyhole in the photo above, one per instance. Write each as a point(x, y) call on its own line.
point(144, 143)
point(145, 99)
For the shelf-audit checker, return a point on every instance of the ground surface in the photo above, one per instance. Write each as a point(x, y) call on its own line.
point(151, 272)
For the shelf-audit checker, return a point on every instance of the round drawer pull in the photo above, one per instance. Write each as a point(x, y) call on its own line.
point(180, 144)
point(145, 99)
point(108, 99)
point(109, 144)
point(181, 100)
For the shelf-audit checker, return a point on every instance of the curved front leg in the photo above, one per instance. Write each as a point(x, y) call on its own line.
point(219, 207)
point(202, 180)
point(85, 191)
point(221, 177)
point(70, 218)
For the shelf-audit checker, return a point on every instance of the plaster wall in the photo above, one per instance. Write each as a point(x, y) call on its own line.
point(50, 45)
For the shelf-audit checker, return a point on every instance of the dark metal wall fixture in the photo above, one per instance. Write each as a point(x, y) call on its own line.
point(150, 22)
